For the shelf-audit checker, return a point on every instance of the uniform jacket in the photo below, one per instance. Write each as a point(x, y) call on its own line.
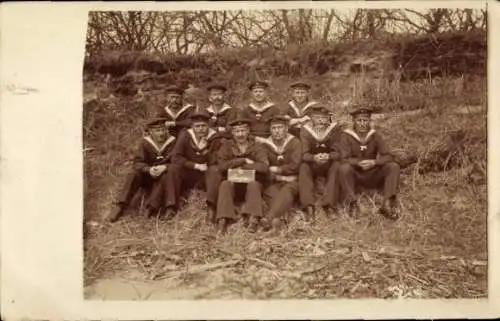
point(354, 148)
point(181, 117)
point(222, 118)
point(326, 142)
point(286, 157)
point(229, 156)
point(260, 117)
point(295, 111)
point(188, 151)
point(149, 153)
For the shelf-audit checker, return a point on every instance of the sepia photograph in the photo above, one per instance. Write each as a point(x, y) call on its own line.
point(301, 153)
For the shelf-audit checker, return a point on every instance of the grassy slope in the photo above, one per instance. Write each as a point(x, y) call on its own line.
point(436, 250)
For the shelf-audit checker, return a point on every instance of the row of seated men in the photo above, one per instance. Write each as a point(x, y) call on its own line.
point(185, 147)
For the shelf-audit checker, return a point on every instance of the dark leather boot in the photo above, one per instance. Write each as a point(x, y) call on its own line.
point(311, 214)
point(115, 213)
point(170, 213)
point(353, 209)
point(211, 214)
point(388, 209)
point(253, 225)
point(222, 226)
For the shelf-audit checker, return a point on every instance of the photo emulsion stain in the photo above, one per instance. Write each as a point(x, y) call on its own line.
point(285, 154)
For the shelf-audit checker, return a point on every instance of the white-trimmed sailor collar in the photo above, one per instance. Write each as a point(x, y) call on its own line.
point(261, 109)
point(198, 144)
point(225, 107)
point(179, 112)
point(159, 149)
point(356, 136)
point(322, 136)
point(297, 110)
point(278, 149)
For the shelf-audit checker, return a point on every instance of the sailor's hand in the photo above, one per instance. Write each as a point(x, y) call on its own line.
point(201, 167)
point(161, 168)
point(367, 164)
point(274, 169)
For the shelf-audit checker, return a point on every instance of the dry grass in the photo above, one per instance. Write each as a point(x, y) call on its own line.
point(436, 250)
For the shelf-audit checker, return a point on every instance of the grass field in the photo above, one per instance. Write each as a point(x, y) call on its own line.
point(438, 248)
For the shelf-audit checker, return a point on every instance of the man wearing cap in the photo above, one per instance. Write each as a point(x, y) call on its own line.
point(176, 112)
point(320, 157)
point(285, 155)
point(260, 110)
point(221, 113)
point(367, 162)
point(298, 106)
point(241, 151)
point(193, 163)
point(151, 160)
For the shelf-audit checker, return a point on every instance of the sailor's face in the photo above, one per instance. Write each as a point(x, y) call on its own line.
point(158, 133)
point(362, 123)
point(278, 130)
point(240, 133)
point(300, 94)
point(216, 97)
point(259, 94)
point(200, 128)
point(320, 119)
point(174, 99)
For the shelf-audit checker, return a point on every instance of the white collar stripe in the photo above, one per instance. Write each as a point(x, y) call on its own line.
point(279, 150)
point(220, 111)
point(179, 112)
point(263, 108)
point(156, 147)
point(356, 136)
point(322, 136)
point(197, 143)
point(299, 112)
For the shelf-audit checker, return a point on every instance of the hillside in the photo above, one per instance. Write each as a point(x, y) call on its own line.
point(432, 94)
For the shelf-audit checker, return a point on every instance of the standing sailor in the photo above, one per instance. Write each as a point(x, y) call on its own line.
point(298, 106)
point(221, 113)
point(176, 112)
point(260, 110)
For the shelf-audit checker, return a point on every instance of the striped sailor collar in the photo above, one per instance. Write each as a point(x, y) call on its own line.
point(175, 115)
point(278, 149)
point(353, 134)
point(301, 111)
point(159, 149)
point(202, 143)
point(224, 107)
point(320, 136)
point(263, 108)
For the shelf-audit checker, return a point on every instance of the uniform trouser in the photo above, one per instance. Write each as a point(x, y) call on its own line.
point(308, 172)
point(385, 176)
point(137, 179)
point(180, 179)
point(230, 193)
point(280, 196)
